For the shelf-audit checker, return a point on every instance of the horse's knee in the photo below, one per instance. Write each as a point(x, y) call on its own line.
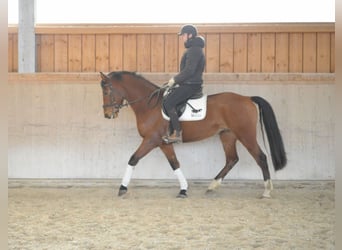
point(174, 164)
point(133, 160)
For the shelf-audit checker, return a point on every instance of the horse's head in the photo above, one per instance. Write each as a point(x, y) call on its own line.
point(112, 98)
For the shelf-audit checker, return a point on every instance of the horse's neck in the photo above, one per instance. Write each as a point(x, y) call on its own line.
point(138, 94)
point(137, 89)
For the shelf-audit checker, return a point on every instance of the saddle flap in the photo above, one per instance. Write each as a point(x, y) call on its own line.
point(192, 110)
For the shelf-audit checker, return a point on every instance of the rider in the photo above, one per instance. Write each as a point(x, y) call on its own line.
point(187, 82)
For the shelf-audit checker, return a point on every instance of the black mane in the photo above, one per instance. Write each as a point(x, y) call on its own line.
point(117, 75)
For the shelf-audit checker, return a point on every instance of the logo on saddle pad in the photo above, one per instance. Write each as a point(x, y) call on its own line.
point(192, 110)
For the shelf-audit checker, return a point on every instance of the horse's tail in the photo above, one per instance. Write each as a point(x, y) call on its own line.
point(267, 117)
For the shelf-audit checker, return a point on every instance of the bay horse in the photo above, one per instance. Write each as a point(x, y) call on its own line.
point(232, 116)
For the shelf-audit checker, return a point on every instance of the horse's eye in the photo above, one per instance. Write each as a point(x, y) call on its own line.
point(106, 91)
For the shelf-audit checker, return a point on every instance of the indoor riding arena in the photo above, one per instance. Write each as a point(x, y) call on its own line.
point(66, 161)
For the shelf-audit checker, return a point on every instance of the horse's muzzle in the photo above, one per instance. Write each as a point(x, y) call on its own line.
point(111, 116)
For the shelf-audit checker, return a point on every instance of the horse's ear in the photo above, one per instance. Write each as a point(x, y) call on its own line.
point(104, 77)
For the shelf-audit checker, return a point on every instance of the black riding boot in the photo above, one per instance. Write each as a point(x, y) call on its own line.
point(176, 135)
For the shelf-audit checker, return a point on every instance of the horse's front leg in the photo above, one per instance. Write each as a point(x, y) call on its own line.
point(169, 152)
point(145, 147)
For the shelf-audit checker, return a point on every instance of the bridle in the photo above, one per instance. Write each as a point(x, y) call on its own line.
point(113, 102)
point(118, 106)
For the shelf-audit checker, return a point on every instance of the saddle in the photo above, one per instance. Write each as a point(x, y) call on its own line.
point(194, 109)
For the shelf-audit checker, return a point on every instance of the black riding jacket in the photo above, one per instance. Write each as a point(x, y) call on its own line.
point(192, 62)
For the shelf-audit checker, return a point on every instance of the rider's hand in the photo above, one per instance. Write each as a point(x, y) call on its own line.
point(171, 82)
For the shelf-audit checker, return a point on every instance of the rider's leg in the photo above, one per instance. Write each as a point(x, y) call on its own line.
point(171, 129)
point(176, 136)
point(170, 104)
point(178, 95)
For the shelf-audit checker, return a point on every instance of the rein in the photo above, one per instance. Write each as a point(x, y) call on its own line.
point(113, 103)
point(157, 92)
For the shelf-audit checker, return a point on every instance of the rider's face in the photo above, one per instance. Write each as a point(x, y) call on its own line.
point(186, 36)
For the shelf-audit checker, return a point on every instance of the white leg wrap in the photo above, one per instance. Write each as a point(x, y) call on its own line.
point(182, 181)
point(127, 176)
point(214, 184)
point(268, 188)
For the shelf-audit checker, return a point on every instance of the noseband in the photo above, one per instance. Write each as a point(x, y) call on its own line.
point(112, 97)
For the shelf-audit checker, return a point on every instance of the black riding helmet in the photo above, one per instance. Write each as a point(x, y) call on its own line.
point(188, 29)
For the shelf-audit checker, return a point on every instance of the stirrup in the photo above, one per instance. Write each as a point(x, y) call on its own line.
point(174, 138)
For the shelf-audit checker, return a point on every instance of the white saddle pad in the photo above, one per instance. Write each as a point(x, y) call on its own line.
point(195, 110)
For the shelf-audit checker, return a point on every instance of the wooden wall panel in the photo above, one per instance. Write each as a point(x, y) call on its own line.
point(157, 53)
point(254, 52)
point(102, 53)
point(213, 53)
point(130, 52)
point(143, 53)
point(171, 53)
point(268, 52)
point(296, 52)
point(47, 53)
point(15, 53)
point(309, 52)
point(157, 48)
point(61, 53)
point(323, 52)
point(332, 52)
point(282, 52)
point(227, 53)
point(10, 53)
point(38, 53)
point(89, 53)
point(75, 53)
point(115, 52)
point(240, 53)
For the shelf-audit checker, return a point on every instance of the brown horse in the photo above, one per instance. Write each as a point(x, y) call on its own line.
point(232, 116)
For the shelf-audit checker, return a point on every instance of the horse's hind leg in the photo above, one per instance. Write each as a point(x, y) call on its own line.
point(261, 159)
point(228, 140)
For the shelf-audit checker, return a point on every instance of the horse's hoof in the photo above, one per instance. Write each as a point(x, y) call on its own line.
point(266, 196)
point(122, 190)
point(209, 191)
point(182, 194)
